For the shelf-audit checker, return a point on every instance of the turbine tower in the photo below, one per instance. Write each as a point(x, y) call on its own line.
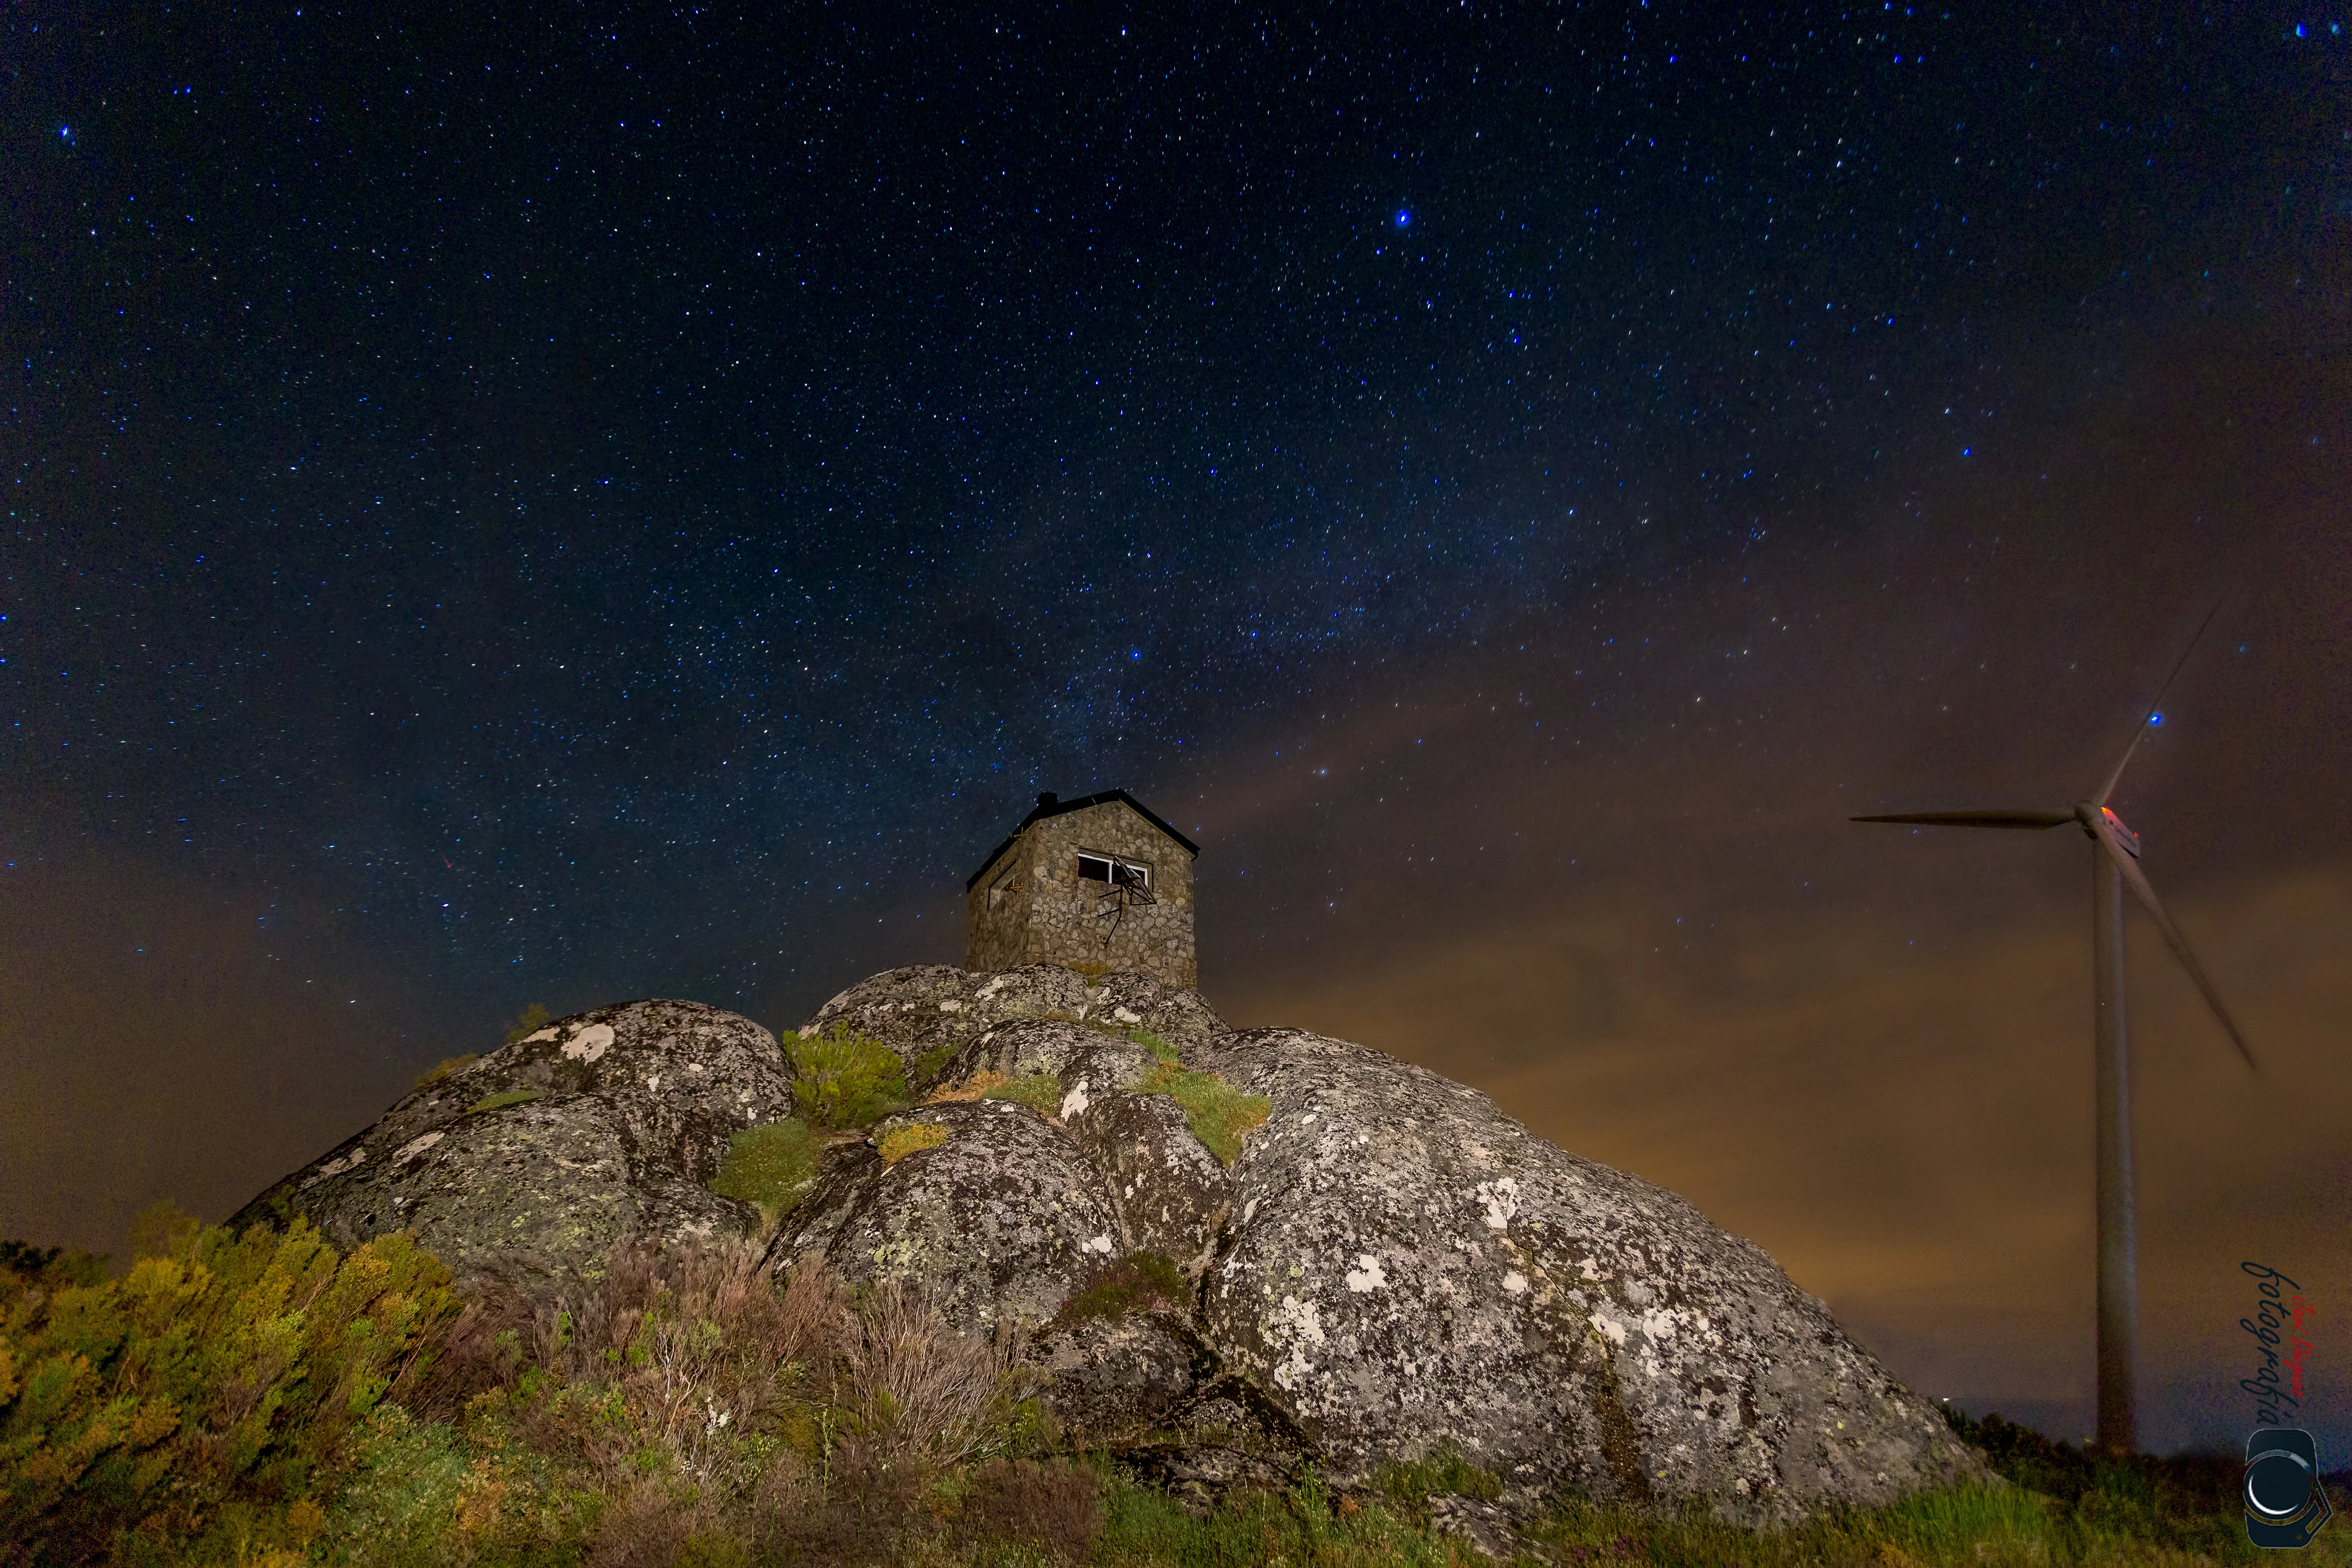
point(2115, 863)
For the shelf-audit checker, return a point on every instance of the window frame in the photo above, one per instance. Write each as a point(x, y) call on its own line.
point(1113, 866)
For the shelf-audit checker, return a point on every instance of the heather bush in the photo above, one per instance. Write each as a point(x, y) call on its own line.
point(772, 1165)
point(842, 1079)
point(202, 1398)
point(533, 1020)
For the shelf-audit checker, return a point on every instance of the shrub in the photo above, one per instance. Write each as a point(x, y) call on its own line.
point(201, 1399)
point(773, 1165)
point(531, 1021)
point(901, 1141)
point(1041, 1092)
point(162, 1229)
point(843, 1079)
point(1135, 1283)
point(1054, 1509)
point(26, 1266)
point(446, 1068)
point(1219, 1116)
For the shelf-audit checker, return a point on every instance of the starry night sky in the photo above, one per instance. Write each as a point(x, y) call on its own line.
point(557, 505)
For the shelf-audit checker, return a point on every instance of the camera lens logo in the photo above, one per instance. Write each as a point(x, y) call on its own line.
point(2285, 1504)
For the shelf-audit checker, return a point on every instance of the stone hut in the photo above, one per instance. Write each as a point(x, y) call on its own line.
point(1099, 883)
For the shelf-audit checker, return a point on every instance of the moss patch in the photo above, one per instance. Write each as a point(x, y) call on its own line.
point(501, 1099)
point(773, 1165)
point(901, 1141)
point(1135, 1283)
point(1219, 1116)
point(843, 1079)
point(1040, 1091)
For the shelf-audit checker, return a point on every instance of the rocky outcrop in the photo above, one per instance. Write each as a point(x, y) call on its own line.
point(1390, 1264)
point(1382, 1264)
point(540, 1157)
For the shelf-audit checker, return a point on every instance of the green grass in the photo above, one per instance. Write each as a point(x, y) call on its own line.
point(773, 1165)
point(1135, 1283)
point(1301, 1526)
point(1219, 1116)
point(843, 1079)
point(1442, 1471)
point(1040, 1091)
point(501, 1099)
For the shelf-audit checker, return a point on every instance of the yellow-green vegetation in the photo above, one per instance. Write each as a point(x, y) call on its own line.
point(501, 1099)
point(1303, 1525)
point(1442, 1471)
point(258, 1400)
point(194, 1410)
point(773, 1165)
point(927, 1064)
point(1219, 1116)
point(1139, 1282)
point(444, 1069)
point(901, 1141)
point(1040, 1091)
point(532, 1019)
point(843, 1079)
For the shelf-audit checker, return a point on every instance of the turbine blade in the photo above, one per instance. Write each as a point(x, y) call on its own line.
point(1976, 818)
point(2138, 880)
point(2121, 763)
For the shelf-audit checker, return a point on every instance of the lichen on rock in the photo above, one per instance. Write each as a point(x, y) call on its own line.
point(1386, 1269)
point(544, 1154)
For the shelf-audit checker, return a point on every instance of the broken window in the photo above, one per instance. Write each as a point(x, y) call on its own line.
point(1112, 871)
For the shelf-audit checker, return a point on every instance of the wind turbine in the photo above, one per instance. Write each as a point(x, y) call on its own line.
point(2114, 862)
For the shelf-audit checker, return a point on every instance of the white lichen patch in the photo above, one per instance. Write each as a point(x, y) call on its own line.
point(1075, 1102)
point(1298, 1325)
point(1101, 1243)
point(1514, 1283)
point(589, 1042)
point(414, 1147)
point(335, 1167)
point(1501, 1199)
point(1122, 1015)
point(1367, 1275)
point(951, 1007)
point(548, 1033)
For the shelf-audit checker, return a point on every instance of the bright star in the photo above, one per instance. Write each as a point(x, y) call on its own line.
point(1404, 217)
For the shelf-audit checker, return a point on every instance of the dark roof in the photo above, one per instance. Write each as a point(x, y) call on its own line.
point(1050, 804)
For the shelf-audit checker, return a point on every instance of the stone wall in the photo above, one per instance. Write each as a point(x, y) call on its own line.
point(1044, 914)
